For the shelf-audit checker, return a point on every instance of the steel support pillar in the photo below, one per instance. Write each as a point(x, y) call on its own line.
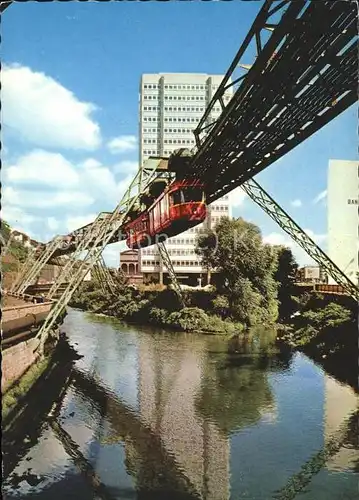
point(267, 203)
point(35, 270)
point(102, 232)
point(168, 263)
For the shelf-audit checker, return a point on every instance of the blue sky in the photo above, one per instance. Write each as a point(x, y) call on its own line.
point(70, 86)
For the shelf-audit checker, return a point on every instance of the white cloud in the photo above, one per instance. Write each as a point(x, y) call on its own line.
point(125, 167)
point(77, 221)
point(122, 144)
point(237, 197)
point(296, 203)
point(53, 224)
point(42, 167)
point(87, 181)
point(318, 238)
point(20, 220)
point(300, 255)
point(111, 254)
point(15, 215)
point(321, 196)
point(99, 181)
point(277, 239)
point(91, 163)
point(43, 112)
point(40, 199)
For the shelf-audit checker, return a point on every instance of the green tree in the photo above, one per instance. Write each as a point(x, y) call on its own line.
point(245, 267)
point(221, 305)
point(5, 231)
point(285, 275)
point(331, 316)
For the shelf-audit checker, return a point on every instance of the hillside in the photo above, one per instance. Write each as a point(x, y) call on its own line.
point(16, 253)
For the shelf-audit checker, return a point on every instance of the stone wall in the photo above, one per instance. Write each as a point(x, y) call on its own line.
point(15, 312)
point(17, 359)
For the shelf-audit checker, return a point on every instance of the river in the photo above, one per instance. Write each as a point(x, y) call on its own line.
point(148, 414)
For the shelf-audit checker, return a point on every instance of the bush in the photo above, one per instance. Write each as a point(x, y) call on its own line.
point(216, 324)
point(158, 316)
point(330, 316)
point(189, 319)
point(221, 306)
point(157, 307)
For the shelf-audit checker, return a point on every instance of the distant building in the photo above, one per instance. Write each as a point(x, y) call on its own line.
point(343, 216)
point(171, 105)
point(24, 239)
point(49, 273)
point(130, 266)
point(311, 274)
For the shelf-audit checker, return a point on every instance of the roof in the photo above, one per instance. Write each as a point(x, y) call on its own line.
point(129, 252)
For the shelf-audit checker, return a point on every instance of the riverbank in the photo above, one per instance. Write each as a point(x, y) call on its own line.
point(326, 330)
point(161, 308)
point(17, 394)
point(26, 404)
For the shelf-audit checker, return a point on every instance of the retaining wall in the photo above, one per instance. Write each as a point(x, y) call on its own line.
point(17, 359)
point(15, 312)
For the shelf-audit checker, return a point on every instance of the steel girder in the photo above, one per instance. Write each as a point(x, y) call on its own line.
point(303, 77)
point(75, 262)
point(25, 268)
point(99, 234)
point(267, 203)
point(104, 276)
point(37, 266)
point(168, 263)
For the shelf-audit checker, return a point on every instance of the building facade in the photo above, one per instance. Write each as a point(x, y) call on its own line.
point(311, 274)
point(171, 105)
point(130, 266)
point(343, 216)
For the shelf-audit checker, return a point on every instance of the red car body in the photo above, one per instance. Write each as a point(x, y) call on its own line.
point(181, 206)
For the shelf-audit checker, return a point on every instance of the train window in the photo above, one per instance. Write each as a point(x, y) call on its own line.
point(177, 197)
point(192, 193)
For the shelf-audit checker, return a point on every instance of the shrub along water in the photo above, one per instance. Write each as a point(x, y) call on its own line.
point(161, 308)
point(327, 330)
point(248, 275)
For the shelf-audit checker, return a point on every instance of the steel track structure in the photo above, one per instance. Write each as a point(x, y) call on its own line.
point(104, 276)
point(98, 236)
point(76, 261)
point(25, 268)
point(269, 205)
point(303, 76)
point(34, 270)
point(168, 263)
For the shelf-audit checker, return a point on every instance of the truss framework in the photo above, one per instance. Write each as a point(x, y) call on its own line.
point(304, 75)
point(75, 262)
point(168, 263)
point(25, 268)
point(267, 203)
point(104, 276)
point(31, 272)
point(99, 235)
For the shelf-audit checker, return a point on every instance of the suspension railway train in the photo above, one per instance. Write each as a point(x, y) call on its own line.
point(181, 206)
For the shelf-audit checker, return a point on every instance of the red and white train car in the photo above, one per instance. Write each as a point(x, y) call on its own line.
point(181, 205)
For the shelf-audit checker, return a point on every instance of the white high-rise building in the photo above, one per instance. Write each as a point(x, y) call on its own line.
point(171, 105)
point(343, 216)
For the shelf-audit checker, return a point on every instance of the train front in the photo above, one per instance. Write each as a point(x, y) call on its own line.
point(188, 205)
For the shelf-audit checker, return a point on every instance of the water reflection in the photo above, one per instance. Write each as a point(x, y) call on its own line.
point(152, 414)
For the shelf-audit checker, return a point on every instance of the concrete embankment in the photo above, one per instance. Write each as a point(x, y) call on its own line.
point(20, 325)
